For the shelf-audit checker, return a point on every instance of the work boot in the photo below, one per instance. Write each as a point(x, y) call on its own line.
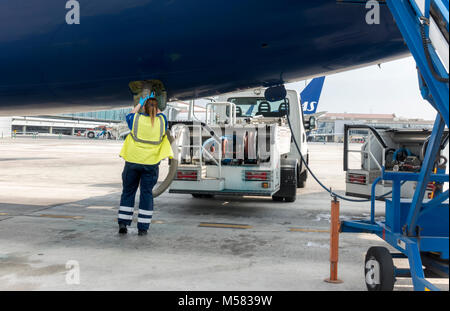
point(123, 229)
point(142, 232)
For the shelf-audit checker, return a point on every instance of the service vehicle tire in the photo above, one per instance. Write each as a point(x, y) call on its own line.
point(277, 199)
point(90, 135)
point(379, 269)
point(301, 178)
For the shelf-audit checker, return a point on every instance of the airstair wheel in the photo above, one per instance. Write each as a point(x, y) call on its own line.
point(379, 269)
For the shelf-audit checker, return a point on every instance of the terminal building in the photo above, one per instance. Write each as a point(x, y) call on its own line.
point(60, 125)
point(79, 123)
point(330, 126)
point(5, 127)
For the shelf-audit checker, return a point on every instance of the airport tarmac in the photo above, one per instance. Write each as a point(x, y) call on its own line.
point(58, 207)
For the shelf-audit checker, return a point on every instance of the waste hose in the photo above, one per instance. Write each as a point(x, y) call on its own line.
point(173, 166)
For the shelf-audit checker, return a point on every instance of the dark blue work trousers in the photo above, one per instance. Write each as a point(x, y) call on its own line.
point(133, 176)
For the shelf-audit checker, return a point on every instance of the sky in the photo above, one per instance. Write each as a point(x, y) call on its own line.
point(393, 88)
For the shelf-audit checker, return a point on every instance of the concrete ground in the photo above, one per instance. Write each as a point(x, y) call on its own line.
point(58, 208)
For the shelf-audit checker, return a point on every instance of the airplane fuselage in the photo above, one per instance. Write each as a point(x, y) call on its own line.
point(196, 48)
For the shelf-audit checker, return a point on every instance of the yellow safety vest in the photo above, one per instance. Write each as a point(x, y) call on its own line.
point(146, 144)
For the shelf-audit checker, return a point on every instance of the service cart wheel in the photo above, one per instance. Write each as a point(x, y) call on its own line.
point(379, 269)
point(91, 135)
point(301, 179)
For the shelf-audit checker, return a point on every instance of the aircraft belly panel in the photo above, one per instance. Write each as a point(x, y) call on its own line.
point(196, 48)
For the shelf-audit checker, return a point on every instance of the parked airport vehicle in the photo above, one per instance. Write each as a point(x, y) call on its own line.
point(243, 148)
point(99, 132)
point(395, 150)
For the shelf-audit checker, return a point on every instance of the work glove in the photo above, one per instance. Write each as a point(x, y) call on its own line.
point(142, 100)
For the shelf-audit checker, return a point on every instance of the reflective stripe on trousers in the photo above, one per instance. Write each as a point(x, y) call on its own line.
point(126, 213)
point(136, 176)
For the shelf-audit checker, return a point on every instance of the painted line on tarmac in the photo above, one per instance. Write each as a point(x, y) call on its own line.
point(221, 225)
point(61, 216)
point(308, 230)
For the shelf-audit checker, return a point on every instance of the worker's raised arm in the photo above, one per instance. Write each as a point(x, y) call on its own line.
point(141, 104)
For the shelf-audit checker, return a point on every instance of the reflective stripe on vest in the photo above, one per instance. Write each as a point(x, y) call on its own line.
point(135, 131)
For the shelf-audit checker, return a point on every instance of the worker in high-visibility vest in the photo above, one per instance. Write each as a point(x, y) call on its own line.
point(143, 149)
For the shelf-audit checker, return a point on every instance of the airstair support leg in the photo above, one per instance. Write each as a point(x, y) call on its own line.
point(415, 267)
